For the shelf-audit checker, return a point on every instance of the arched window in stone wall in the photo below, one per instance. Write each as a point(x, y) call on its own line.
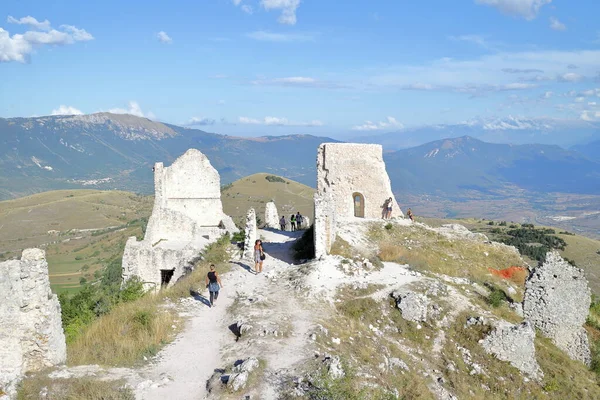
point(359, 205)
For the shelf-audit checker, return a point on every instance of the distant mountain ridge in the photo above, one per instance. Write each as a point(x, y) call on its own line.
point(452, 166)
point(117, 151)
point(565, 133)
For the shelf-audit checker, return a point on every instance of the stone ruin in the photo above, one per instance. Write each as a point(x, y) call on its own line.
point(352, 182)
point(557, 302)
point(187, 216)
point(271, 216)
point(251, 234)
point(31, 333)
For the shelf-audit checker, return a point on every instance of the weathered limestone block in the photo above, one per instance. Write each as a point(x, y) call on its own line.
point(250, 234)
point(31, 334)
point(515, 344)
point(557, 301)
point(187, 216)
point(413, 305)
point(457, 231)
point(271, 216)
point(346, 169)
point(325, 224)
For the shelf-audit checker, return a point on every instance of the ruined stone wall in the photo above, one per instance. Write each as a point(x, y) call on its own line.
point(557, 301)
point(251, 234)
point(271, 216)
point(31, 334)
point(187, 216)
point(324, 224)
point(347, 168)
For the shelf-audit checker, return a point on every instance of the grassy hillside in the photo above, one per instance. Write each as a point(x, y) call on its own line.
point(81, 230)
point(255, 191)
point(583, 251)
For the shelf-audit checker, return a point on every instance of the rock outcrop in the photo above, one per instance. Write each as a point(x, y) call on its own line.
point(187, 216)
point(250, 231)
point(515, 344)
point(271, 216)
point(346, 191)
point(413, 306)
point(31, 333)
point(557, 301)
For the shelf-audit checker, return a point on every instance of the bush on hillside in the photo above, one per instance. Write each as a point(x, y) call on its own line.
point(274, 178)
point(304, 248)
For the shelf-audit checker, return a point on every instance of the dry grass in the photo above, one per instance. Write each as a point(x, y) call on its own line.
point(428, 251)
point(122, 337)
point(72, 389)
point(140, 328)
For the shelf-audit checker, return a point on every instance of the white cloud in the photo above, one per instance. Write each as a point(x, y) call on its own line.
point(277, 121)
point(163, 37)
point(133, 109)
point(570, 77)
point(297, 81)
point(527, 9)
point(247, 9)
point(389, 123)
point(267, 36)
point(287, 8)
point(30, 21)
point(521, 71)
point(580, 99)
point(237, 2)
point(475, 39)
point(200, 121)
point(66, 110)
point(19, 47)
point(589, 115)
point(557, 25)
point(547, 95)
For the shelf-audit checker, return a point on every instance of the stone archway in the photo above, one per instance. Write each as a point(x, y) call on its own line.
point(359, 205)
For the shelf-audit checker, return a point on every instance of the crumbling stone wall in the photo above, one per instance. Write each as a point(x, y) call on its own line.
point(251, 234)
point(343, 170)
point(31, 334)
point(557, 301)
point(187, 216)
point(271, 216)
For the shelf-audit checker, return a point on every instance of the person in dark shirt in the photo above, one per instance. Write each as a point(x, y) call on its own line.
point(213, 283)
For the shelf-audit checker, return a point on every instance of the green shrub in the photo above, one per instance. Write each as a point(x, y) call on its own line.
point(389, 226)
point(491, 223)
point(496, 296)
point(304, 248)
point(239, 236)
point(274, 178)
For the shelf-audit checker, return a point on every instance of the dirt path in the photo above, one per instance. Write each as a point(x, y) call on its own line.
point(182, 369)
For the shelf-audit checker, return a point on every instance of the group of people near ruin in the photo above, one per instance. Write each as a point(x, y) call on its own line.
point(296, 221)
point(386, 212)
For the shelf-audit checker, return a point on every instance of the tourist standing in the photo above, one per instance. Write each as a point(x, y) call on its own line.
point(410, 215)
point(293, 222)
point(389, 208)
point(299, 220)
point(282, 223)
point(259, 256)
point(213, 283)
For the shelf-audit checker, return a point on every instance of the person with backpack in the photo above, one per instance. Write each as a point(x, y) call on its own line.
point(213, 283)
point(293, 222)
point(299, 220)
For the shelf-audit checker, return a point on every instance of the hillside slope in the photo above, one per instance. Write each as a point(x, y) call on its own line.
point(110, 151)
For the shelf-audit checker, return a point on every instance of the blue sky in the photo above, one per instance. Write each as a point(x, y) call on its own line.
point(254, 67)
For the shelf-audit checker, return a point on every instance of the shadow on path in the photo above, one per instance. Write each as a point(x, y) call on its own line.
point(199, 297)
point(245, 266)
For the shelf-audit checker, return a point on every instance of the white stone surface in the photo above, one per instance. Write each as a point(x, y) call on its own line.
point(557, 301)
point(187, 216)
point(250, 231)
point(31, 334)
point(344, 169)
point(271, 216)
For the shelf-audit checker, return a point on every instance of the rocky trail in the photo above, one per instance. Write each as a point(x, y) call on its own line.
point(209, 341)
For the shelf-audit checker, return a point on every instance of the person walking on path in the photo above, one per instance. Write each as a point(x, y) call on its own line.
point(293, 222)
point(259, 256)
point(384, 209)
point(299, 220)
point(213, 283)
point(282, 222)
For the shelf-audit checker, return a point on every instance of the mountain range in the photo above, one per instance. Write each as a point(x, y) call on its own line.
point(515, 130)
point(109, 151)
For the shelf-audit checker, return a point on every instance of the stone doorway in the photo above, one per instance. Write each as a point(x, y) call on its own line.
point(359, 205)
point(165, 276)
